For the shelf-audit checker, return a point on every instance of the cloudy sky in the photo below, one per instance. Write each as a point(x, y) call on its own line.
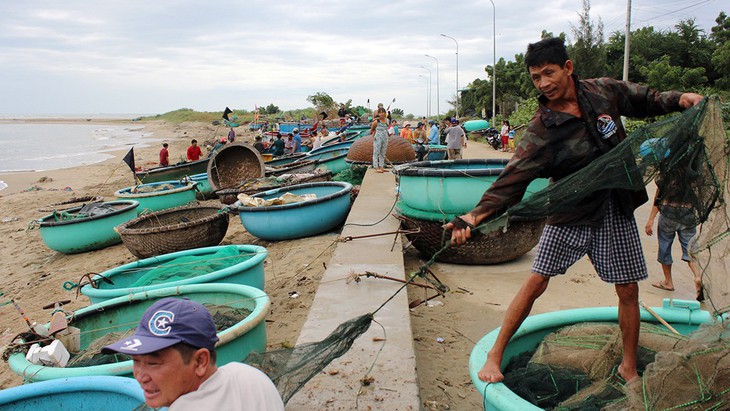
point(133, 56)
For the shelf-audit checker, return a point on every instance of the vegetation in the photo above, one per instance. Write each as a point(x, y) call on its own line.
point(685, 58)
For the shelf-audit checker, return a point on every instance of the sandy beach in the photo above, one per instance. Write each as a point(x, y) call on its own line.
point(444, 333)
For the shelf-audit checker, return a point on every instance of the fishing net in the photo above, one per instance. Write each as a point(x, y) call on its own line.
point(225, 316)
point(690, 151)
point(353, 175)
point(291, 368)
point(91, 355)
point(152, 188)
point(190, 266)
point(88, 210)
point(575, 367)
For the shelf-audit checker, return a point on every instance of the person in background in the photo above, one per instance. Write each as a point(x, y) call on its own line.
point(297, 141)
point(379, 131)
point(433, 133)
point(667, 229)
point(393, 129)
point(279, 145)
point(289, 144)
point(258, 145)
point(194, 152)
point(504, 135)
point(164, 156)
point(231, 135)
point(576, 122)
point(407, 133)
point(420, 132)
point(512, 139)
point(455, 140)
point(174, 361)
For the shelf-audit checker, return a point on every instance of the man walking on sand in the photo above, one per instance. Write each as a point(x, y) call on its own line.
point(576, 122)
point(194, 152)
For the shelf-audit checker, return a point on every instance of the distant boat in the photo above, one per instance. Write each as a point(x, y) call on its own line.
point(173, 172)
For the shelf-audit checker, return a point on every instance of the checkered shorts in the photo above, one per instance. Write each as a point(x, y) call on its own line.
point(614, 249)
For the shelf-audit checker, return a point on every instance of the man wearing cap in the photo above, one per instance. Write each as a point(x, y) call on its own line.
point(455, 139)
point(433, 134)
point(173, 352)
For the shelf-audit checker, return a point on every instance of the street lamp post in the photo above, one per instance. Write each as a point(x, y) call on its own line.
point(438, 97)
point(429, 90)
point(457, 72)
point(494, 61)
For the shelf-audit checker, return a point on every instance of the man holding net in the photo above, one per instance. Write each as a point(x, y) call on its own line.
point(576, 122)
point(173, 352)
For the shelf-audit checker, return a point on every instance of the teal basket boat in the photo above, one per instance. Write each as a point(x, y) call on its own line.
point(77, 230)
point(331, 159)
point(235, 264)
point(451, 186)
point(301, 219)
point(161, 195)
point(204, 190)
point(173, 172)
point(436, 152)
point(122, 314)
point(684, 316)
point(78, 394)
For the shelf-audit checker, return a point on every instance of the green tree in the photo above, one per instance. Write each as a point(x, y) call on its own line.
point(271, 109)
point(398, 112)
point(587, 51)
point(721, 56)
point(322, 101)
point(662, 75)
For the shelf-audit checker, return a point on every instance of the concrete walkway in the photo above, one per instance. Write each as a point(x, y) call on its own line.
point(385, 352)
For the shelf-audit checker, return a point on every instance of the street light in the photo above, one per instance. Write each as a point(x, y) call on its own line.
point(438, 108)
point(428, 91)
point(457, 72)
point(428, 108)
point(494, 61)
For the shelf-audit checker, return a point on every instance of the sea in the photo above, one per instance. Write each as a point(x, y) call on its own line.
point(49, 145)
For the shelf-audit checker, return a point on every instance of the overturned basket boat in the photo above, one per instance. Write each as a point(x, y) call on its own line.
point(230, 195)
point(428, 237)
point(174, 229)
point(70, 203)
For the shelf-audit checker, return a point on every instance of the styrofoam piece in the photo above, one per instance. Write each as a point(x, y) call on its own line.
point(57, 354)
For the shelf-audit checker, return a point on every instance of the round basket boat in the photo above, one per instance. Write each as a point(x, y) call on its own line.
point(301, 219)
point(230, 195)
point(204, 190)
point(174, 229)
point(330, 158)
point(160, 195)
point(235, 264)
point(436, 152)
point(451, 186)
point(684, 316)
point(233, 164)
point(493, 248)
point(70, 203)
point(284, 160)
point(78, 394)
point(121, 315)
point(399, 151)
point(84, 229)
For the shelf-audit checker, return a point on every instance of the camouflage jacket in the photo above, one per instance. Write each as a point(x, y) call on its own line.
point(557, 144)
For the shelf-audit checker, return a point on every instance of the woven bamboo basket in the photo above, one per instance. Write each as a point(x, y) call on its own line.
point(399, 151)
point(493, 248)
point(174, 229)
point(229, 196)
point(232, 164)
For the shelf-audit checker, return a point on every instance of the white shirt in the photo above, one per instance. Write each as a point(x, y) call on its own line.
point(234, 386)
point(504, 131)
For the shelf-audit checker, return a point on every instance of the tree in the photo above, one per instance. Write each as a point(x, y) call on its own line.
point(322, 101)
point(662, 75)
point(721, 56)
point(587, 51)
point(397, 112)
point(271, 109)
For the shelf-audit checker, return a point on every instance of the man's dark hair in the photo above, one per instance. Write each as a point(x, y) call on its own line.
point(546, 51)
point(186, 352)
point(193, 141)
point(164, 145)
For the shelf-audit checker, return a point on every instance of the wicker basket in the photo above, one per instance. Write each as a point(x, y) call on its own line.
point(230, 195)
point(232, 164)
point(493, 248)
point(174, 229)
point(399, 151)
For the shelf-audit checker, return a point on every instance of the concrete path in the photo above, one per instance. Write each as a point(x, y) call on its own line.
point(385, 352)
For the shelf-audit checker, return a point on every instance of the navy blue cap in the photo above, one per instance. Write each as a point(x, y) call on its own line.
point(167, 322)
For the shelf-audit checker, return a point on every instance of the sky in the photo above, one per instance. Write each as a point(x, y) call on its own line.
point(143, 57)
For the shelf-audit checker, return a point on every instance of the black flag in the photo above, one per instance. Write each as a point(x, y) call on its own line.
point(226, 112)
point(129, 159)
point(324, 115)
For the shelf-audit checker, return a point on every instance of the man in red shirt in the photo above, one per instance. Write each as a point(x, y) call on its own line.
point(164, 156)
point(194, 152)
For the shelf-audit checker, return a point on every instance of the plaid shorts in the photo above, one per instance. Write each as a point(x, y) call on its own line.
point(614, 249)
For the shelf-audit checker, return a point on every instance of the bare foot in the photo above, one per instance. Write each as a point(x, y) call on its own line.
point(629, 377)
point(490, 372)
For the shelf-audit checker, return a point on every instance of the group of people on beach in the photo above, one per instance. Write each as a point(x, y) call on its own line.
point(173, 347)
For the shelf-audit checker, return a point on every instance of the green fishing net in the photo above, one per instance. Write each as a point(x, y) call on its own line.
point(190, 266)
point(690, 151)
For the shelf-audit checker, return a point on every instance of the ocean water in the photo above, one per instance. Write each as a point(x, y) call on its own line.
point(51, 146)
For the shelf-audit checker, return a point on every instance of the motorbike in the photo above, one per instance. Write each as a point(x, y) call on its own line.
point(491, 135)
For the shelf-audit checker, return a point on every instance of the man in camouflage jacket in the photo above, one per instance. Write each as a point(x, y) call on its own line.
point(576, 122)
